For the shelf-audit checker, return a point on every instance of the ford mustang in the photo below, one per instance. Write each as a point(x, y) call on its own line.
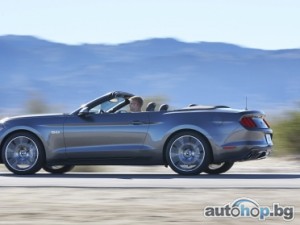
point(190, 140)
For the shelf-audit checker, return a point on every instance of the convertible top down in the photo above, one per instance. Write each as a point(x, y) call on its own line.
point(190, 140)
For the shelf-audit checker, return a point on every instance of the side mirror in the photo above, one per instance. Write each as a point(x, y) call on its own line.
point(83, 112)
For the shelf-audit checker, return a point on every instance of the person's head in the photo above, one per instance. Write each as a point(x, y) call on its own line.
point(136, 104)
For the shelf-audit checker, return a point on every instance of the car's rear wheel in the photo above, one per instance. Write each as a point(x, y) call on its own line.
point(58, 169)
point(23, 153)
point(188, 153)
point(218, 168)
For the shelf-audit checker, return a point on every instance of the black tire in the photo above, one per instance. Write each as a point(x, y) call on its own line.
point(23, 153)
point(58, 169)
point(188, 153)
point(218, 168)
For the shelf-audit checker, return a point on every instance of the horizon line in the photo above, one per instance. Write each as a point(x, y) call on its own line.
point(141, 40)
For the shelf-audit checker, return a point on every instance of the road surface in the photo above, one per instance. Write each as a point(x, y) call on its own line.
point(156, 180)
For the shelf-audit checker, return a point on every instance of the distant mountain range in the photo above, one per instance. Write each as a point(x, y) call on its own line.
point(203, 73)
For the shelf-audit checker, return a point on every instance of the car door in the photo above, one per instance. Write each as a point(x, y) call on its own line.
point(98, 136)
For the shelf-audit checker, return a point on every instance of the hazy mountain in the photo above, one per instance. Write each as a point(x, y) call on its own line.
point(204, 73)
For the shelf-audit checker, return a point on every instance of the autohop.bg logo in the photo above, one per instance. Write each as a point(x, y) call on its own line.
point(246, 207)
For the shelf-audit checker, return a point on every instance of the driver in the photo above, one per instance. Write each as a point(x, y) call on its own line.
point(136, 103)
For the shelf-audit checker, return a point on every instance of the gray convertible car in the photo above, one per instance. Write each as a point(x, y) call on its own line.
point(190, 140)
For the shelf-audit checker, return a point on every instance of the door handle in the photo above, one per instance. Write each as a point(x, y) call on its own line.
point(137, 122)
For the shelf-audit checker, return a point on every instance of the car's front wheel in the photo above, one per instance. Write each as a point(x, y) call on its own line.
point(23, 153)
point(218, 168)
point(188, 153)
point(58, 169)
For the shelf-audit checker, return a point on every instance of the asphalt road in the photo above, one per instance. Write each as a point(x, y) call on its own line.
point(150, 180)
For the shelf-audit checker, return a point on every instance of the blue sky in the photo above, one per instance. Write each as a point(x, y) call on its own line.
point(265, 24)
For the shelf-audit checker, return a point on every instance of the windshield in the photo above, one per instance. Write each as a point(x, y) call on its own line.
point(107, 106)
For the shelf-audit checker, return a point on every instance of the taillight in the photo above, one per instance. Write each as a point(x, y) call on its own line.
point(248, 122)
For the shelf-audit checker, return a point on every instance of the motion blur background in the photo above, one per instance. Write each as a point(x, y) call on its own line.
point(56, 55)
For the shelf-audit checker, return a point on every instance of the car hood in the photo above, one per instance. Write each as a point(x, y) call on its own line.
point(33, 116)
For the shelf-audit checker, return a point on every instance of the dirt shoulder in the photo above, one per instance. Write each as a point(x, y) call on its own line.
point(132, 206)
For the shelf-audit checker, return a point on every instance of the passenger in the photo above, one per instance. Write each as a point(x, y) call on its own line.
point(136, 104)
